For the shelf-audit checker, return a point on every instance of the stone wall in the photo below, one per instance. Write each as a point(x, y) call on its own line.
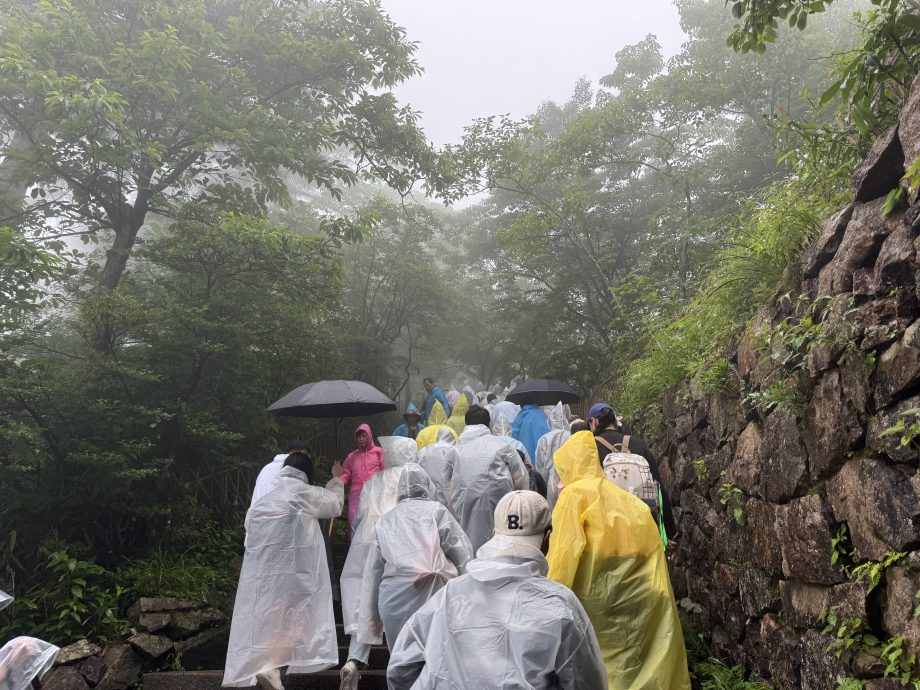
point(764, 473)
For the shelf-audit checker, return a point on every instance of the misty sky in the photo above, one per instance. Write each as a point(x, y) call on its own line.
point(488, 57)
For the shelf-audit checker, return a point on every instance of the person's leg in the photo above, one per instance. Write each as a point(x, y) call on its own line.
point(270, 680)
point(358, 655)
point(358, 651)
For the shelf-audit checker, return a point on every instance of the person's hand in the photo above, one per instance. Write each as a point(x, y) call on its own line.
point(377, 628)
point(337, 469)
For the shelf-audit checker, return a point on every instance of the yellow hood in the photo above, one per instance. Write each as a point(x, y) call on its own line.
point(438, 414)
point(578, 459)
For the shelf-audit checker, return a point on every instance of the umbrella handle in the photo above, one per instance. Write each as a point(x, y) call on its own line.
point(331, 523)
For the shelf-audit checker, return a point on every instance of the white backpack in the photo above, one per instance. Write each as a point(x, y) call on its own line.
point(630, 472)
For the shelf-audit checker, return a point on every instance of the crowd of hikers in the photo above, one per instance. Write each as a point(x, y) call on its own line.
point(490, 545)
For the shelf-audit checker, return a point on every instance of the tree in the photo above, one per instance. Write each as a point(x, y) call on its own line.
point(116, 110)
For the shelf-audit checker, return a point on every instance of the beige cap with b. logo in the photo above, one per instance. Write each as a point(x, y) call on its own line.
point(523, 514)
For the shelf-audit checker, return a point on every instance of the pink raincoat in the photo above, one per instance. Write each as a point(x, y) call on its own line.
point(359, 466)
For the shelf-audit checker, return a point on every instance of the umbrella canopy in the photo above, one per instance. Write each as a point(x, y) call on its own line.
point(332, 399)
point(543, 392)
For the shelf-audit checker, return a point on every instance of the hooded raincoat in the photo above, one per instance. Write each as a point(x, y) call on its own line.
point(547, 446)
point(504, 412)
point(283, 610)
point(529, 427)
point(431, 401)
point(418, 547)
point(265, 482)
point(359, 466)
point(23, 659)
point(434, 458)
point(438, 415)
point(605, 546)
point(431, 433)
point(502, 625)
point(484, 469)
point(457, 420)
point(403, 429)
point(379, 496)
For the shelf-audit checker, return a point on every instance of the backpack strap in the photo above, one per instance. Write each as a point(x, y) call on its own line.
point(607, 444)
point(624, 444)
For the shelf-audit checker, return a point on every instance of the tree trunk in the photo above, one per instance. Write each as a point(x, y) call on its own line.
point(116, 258)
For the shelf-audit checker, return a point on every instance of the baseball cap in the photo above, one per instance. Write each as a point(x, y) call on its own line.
point(524, 515)
point(597, 408)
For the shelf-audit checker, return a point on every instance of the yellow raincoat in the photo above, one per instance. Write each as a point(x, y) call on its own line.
point(429, 435)
point(457, 420)
point(438, 415)
point(606, 548)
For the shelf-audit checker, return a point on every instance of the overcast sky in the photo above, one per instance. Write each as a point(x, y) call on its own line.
point(490, 57)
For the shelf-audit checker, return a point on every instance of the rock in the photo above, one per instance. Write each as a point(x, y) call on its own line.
point(159, 604)
point(804, 603)
point(151, 646)
point(152, 622)
point(899, 604)
point(784, 473)
point(895, 265)
point(909, 126)
point(123, 668)
point(64, 678)
point(884, 684)
point(93, 669)
point(761, 523)
point(866, 666)
point(206, 650)
point(758, 592)
point(825, 245)
point(880, 506)
point(78, 651)
point(804, 530)
point(745, 468)
point(862, 240)
point(820, 670)
point(187, 623)
point(882, 170)
point(832, 429)
point(890, 444)
point(785, 653)
point(899, 367)
point(751, 344)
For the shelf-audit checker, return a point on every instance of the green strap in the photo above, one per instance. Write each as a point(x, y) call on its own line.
point(661, 530)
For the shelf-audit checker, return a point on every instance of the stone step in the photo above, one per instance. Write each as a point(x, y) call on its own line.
point(210, 680)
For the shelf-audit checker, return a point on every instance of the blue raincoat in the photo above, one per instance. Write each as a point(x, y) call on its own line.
point(403, 429)
point(436, 395)
point(529, 426)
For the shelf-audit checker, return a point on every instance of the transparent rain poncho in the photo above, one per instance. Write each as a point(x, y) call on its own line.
point(23, 659)
point(605, 546)
point(503, 416)
point(283, 610)
point(380, 495)
point(434, 458)
point(547, 445)
point(485, 469)
point(430, 435)
point(418, 546)
point(502, 625)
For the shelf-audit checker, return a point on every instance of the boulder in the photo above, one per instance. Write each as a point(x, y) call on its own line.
point(825, 245)
point(784, 468)
point(882, 170)
point(785, 652)
point(205, 651)
point(820, 670)
point(804, 527)
point(890, 444)
point(804, 603)
point(745, 468)
point(862, 240)
point(765, 544)
point(879, 504)
point(93, 669)
point(64, 678)
point(123, 668)
point(78, 651)
point(898, 607)
point(157, 604)
point(832, 428)
point(898, 367)
point(187, 623)
point(895, 265)
point(151, 646)
point(909, 126)
point(152, 622)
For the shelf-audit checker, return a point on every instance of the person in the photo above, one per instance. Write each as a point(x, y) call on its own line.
point(503, 415)
point(435, 457)
point(361, 464)
point(435, 394)
point(418, 546)
point(548, 444)
point(432, 432)
point(24, 660)
point(536, 481)
point(452, 395)
point(606, 425)
point(283, 610)
point(457, 420)
point(605, 546)
point(265, 482)
point(412, 425)
point(379, 496)
point(503, 624)
point(484, 469)
point(529, 426)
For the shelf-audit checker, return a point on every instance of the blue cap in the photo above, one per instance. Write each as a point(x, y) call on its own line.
point(597, 409)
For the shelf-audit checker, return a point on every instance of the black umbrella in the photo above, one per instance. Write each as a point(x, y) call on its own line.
point(543, 392)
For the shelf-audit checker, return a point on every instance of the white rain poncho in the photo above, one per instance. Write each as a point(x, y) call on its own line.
point(485, 469)
point(23, 659)
point(434, 459)
point(502, 625)
point(417, 548)
point(283, 611)
point(547, 445)
point(503, 416)
point(380, 495)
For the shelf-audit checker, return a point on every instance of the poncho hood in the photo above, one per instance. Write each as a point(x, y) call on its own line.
point(577, 459)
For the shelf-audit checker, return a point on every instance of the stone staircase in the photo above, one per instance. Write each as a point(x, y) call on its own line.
point(372, 678)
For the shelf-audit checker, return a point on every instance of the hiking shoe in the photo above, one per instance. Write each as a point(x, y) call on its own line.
point(270, 680)
point(349, 676)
